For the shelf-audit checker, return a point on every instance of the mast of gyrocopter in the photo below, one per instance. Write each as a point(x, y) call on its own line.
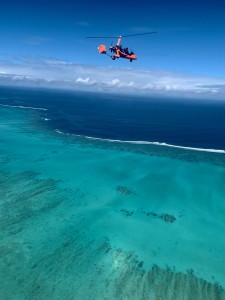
point(119, 40)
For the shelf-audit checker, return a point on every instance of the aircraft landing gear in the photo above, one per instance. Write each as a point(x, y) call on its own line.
point(131, 60)
point(113, 57)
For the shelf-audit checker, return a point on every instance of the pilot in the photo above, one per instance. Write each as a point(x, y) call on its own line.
point(126, 51)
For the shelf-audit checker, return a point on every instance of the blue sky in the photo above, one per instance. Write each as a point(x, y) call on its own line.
point(44, 40)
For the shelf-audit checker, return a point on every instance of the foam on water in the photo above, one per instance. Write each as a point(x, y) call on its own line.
point(144, 143)
point(24, 107)
point(158, 144)
point(83, 219)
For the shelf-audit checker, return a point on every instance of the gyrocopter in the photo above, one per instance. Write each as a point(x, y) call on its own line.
point(117, 51)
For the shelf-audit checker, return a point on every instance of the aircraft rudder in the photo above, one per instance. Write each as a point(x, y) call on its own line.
point(102, 49)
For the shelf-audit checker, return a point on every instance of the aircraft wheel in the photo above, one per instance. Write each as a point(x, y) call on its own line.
point(113, 57)
point(131, 60)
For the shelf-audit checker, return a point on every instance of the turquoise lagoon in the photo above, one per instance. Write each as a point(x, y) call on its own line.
point(91, 219)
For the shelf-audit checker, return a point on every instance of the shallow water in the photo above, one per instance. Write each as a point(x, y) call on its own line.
point(91, 219)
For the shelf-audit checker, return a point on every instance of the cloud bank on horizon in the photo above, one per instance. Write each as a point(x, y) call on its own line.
point(53, 73)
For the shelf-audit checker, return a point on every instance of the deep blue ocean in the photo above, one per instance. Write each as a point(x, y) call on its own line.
point(180, 122)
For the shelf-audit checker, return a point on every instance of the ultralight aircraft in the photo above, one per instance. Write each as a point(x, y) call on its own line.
point(117, 51)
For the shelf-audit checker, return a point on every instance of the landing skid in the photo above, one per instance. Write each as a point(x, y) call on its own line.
point(113, 57)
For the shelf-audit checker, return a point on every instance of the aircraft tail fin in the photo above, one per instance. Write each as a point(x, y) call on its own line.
point(102, 49)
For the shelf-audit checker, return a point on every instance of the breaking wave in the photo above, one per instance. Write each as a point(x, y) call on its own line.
point(24, 107)
point(146, 143)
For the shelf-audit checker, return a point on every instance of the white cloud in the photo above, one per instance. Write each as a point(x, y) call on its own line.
point(115, 81)
point(85, 81)
point(58, 73)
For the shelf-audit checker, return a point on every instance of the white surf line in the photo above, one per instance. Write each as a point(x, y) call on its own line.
point(191, 148)
point(159, 144)
point(144, 143)
point(60, 132)
point(24, 107)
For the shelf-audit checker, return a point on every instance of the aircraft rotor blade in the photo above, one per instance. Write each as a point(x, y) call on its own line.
point(100, 37)
point(118, 36)
point(139, 33)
